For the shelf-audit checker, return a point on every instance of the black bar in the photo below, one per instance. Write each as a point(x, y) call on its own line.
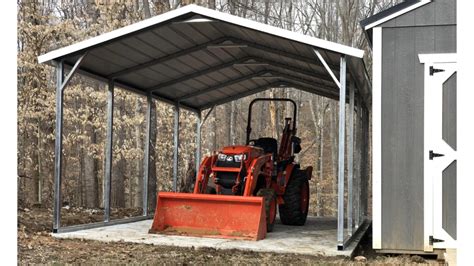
point(249, 120)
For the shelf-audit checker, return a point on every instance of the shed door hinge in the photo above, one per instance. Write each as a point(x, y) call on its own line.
point(435, 70)
point(434, 155)
point(435, 240)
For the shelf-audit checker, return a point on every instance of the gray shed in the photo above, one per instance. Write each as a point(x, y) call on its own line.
point(414, 126)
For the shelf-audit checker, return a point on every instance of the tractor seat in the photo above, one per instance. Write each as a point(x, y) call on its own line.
point(269, 145)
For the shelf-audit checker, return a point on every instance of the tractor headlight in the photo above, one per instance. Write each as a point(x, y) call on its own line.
point(239, 157)
point(221, 157)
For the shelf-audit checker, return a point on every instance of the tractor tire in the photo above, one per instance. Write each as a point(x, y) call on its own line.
point(270, 206)
point(294, 210)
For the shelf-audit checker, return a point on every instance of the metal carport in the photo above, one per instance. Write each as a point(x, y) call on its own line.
point(196, 58)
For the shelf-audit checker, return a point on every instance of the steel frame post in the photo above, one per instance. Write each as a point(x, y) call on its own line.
point(176, 147)
point(146, 158)
point(350, 160)
point(198, 141)
point(365, 154)
point(108, 150)
point(341, 163)
point(358, 161)
point(58, 146)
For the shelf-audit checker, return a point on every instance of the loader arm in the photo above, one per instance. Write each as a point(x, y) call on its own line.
point(203, 175)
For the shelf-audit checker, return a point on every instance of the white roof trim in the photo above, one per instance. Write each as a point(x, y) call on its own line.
point(293, 36)
point(396, 14)
point(437, 58)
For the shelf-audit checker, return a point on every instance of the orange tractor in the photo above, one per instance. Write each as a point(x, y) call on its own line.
point(237, 190)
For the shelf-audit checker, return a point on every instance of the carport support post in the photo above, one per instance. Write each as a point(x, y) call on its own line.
point(58, 146)
point(146, 161)
point(176, 146)
point(365, 160)
point(340, 176)
point(350, 160)
point(358, 148)
point(108, 150)
point(198, 142)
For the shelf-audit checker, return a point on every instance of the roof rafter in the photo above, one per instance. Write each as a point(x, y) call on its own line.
point(222, 85)
point(212, 69)
point(269, 73)
point(244, 94)
point(278, 52)
point(197, 74)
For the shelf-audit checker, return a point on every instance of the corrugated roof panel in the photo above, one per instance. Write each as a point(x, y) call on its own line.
point(205, 56)
point(207, 81)
point(166, 71)
point(172, 37)
point(95, 62)
point(207, 29)
point(172, 92)
point(178, 66)
point(194, 62)
point(136, 78)
point(144, 47)
point(218, 76)
point(129, 52)
point(221, 54)
point(109, 55)
point(189, 33)
point(241, 33)
point(153, 76)
point(152, 40)
point(165, 46)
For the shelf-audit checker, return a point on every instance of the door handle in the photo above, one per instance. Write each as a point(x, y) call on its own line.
point(433, 155)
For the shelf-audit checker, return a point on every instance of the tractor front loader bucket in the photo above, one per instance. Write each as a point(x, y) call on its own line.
point(209, 215)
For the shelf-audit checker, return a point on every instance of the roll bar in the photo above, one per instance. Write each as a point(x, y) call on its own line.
point(249, 120)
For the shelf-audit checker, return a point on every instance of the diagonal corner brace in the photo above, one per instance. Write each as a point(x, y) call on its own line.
point(327, 67)
point(73, 70)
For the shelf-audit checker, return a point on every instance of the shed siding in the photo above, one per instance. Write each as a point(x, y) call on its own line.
point(438, 12)
point(402, 128)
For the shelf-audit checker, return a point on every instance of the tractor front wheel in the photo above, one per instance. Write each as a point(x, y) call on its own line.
point(296, 200)
point(270, 206)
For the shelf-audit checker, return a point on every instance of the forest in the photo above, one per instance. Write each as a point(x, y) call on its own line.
point(45, 25)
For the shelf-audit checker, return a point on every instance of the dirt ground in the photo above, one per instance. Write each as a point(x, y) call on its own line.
point(36, 246)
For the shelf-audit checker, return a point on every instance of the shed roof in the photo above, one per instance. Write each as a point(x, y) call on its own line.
point(389, 14)
point(201, 57)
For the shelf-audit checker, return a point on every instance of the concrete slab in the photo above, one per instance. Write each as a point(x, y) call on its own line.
point(317, 237)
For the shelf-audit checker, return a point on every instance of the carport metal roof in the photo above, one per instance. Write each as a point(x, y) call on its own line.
point(201, 57)
point(197, 58)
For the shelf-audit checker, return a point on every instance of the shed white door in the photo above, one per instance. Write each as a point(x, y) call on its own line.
point(440, 129)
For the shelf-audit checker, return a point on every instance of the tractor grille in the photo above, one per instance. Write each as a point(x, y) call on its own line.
point(226, 163)
point(226, 179)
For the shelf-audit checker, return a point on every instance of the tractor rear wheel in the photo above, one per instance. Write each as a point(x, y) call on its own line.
point(270, 206)
point(296, 200)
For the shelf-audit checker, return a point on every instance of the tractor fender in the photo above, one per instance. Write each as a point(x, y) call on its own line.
point(282, 180)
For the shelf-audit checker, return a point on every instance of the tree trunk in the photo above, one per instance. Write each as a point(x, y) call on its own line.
point(152, 185)
point(117, 197)
point(232, 124)
point(214, 129)
point(90, 171)
point(211, 4)
point(138, 176)
point(146, 8)
point(273, 115)
point(39, 160)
